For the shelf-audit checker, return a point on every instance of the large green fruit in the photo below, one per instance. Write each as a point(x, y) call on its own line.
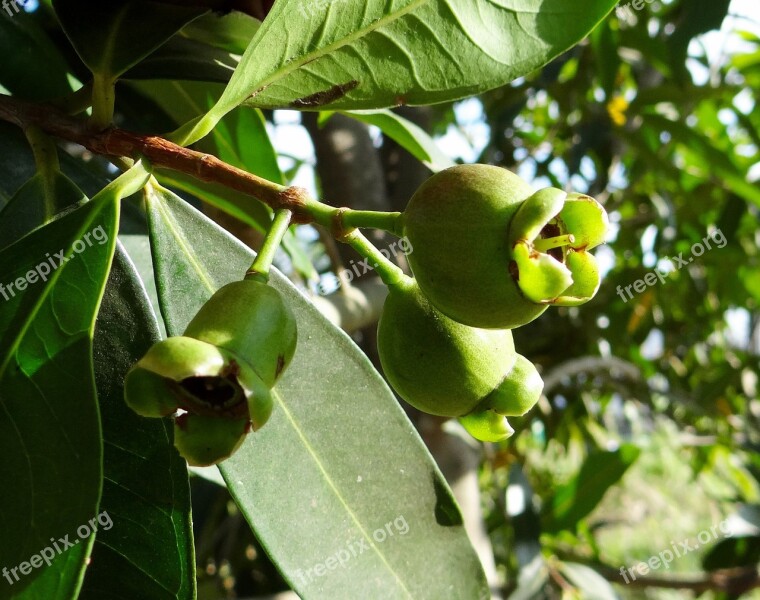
point(436, 364)
point(490, 253)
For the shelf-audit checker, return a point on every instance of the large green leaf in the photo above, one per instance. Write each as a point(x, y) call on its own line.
point(366, 54)
point(576, 499)
point(407, 134)
point(148, 552)
point(111, 37)
point(339, 463)
point(31, 65)
point(50, 435)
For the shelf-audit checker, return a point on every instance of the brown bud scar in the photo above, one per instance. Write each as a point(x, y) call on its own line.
point(326, 96)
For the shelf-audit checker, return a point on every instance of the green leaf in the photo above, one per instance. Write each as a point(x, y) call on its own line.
point(408, 135)
point(31, 65)
point(590, 583)
point(732, 553)
point(339, 463)
point(605, 43)
point(111, 37)
point(185, 59)
point(17, 164)
point(367, 54)
point(50, 435)
point(576, 499)
point(32, 207)
point(697, 17)
point(231, 32)
point(148, 552)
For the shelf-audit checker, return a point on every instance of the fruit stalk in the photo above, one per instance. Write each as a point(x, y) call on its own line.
point(259, 270)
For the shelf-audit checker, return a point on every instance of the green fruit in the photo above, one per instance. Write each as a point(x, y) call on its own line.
point(490, 253)
point(204, 441)
point(250, 319)
point(219, 374)
point(518, 392)
point(436, 364)
point(194, 376)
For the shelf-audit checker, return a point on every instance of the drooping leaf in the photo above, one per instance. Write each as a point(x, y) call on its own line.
point(576, 499)
point(147, 552)
point(111, 37)
point(407, 134)
point(50, 435)
point(338, 468)
point(368, 54)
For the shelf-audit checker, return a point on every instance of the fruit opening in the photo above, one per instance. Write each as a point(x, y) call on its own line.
point(552, 241)
point(211, 390)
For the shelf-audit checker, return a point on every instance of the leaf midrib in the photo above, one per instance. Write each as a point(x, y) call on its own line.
point(333, 486)
point(311, 57)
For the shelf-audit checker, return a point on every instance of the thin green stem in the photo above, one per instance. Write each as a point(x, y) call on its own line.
point(48, 166)
point(76, 102)
point(340, 220)
point(259, 270)
point(103, 101)
point(44, 149)
point(389, 272)
point(369, 219)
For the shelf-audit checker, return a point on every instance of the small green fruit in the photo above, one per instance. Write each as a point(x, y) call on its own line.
point(219, 374)
point(489, 252)
point(205, 441)
point(250, 319)
point(436, 364)
point(194, 376)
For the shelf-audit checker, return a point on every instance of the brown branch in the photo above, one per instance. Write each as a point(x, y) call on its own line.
point(732, 581)
point(158, 151)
